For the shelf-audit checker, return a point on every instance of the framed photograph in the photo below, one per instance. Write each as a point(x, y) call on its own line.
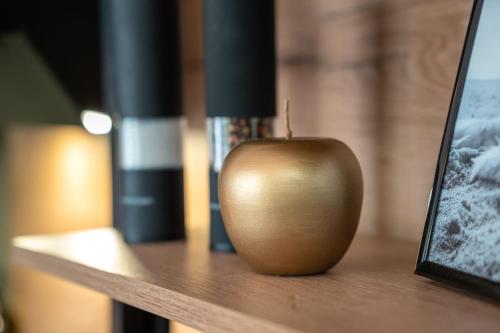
point(461, 241)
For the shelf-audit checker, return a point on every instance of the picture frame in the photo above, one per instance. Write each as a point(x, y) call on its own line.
point(434, 251)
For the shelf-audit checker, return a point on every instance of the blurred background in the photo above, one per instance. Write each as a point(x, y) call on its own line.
point(377, 74)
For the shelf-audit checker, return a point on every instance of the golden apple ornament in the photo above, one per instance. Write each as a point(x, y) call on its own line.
point(290, 205)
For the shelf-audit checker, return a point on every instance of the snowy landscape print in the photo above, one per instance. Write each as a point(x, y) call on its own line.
point(466, 234)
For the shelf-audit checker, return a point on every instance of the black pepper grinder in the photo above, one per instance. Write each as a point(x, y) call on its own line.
point(142, 89)
point(240, 66)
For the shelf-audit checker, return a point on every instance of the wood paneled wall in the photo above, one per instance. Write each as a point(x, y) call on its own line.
point(377, 74)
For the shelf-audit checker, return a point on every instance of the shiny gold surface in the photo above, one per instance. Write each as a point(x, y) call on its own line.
point(291, 207)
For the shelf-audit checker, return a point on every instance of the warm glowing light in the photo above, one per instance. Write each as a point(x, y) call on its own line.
point(59, 181)
point(96, 122)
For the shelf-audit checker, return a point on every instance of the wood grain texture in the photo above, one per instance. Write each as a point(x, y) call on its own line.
point(373, 289)
point(377, 74)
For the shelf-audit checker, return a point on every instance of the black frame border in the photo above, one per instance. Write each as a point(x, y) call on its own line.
point(425, 267)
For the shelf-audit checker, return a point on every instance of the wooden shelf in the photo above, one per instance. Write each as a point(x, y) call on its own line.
point(372, 289)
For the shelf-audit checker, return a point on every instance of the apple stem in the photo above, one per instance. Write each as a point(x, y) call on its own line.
point(287, 120)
